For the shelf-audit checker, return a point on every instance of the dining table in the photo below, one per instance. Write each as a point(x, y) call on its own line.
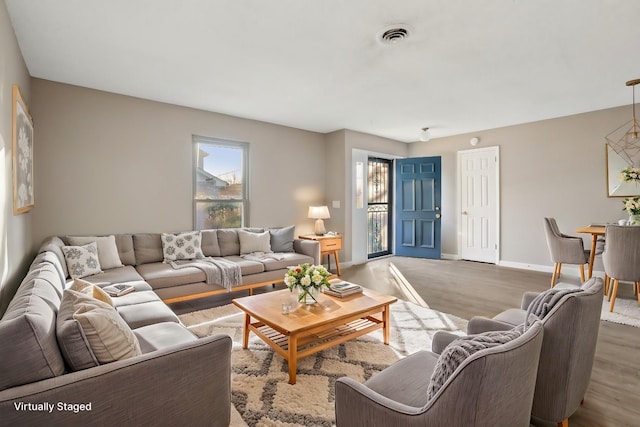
point(596, 230)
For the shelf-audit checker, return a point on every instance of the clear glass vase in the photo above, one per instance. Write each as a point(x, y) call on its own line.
point(308, 296)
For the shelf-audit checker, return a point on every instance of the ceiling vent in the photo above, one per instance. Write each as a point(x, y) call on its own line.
point(394, 34)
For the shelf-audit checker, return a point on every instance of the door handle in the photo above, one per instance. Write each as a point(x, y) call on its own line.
point(465, 213)
point(438, 215)
point(437, 208)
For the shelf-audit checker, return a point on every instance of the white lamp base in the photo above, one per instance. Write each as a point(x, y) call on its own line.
point(320, 230)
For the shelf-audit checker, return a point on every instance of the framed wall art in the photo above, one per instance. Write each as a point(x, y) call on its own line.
point(23, 200)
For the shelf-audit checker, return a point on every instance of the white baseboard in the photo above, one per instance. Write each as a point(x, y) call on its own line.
point(569, 270)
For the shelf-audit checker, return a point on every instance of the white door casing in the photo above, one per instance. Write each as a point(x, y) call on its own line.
point(479, 213)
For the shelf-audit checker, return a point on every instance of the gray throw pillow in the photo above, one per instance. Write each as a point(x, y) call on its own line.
point(282, 239)
point(462, 348)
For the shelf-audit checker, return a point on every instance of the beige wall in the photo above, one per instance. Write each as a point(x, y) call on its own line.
point(15, 231)
point(109, 164)
point(550, 168)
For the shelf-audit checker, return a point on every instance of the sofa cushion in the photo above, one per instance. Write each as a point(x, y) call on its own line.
point(282, 239)
point(82, 260)
point(462, 348)
point(107, 249)
point(228, 241)
point(209, 243)
point(54, 244)
point(127, 254)
point(133, 298)
point(161, 275)
point(148, 248)
point(148, 313)
point(47, 272)
point(254, 242)
point(29, 351)
point(180, 246)
point(285, 260)
point(162, 335)
point(124, 274)
point(247, 267)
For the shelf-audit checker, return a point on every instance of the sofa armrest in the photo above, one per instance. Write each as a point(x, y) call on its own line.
point(187, 384)
point(308, 247)
point(478, 325)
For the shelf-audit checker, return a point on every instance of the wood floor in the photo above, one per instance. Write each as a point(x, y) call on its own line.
point(468, 289)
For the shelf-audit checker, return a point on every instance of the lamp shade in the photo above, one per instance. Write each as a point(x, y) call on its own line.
point(319, 212)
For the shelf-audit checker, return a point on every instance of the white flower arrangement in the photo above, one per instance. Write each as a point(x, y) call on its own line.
point(630, 174)
point(632, 205)
point(306, 277)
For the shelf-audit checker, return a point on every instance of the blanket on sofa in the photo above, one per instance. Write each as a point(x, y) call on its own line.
point(218, 271)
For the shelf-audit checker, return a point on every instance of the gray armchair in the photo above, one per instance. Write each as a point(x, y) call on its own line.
point(564, 250)
point(621, 258)
point(491, 387)
point(570, 335)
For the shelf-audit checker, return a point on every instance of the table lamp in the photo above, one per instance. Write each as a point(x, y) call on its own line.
point(319, 213)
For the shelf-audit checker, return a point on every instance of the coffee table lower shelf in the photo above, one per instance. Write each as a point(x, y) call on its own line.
point(294, 346)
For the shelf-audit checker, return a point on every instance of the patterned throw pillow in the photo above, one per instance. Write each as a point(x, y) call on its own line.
point(462, 348)
point(181, 246)
point(82, 261)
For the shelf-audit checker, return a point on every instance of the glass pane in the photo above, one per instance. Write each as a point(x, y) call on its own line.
point(219, 172)
point(219, 214)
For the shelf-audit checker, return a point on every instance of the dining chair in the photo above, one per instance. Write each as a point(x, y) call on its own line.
point(621, 258)
point(564, 249)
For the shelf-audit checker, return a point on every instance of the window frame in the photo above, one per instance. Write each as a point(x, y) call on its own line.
point(225, 143)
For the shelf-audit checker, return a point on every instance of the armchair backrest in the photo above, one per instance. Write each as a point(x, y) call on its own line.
point(568, 350)
point(494, 386)
point(562, 248)
point(621, 256)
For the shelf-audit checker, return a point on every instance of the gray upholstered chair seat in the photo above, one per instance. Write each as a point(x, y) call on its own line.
point(493, 386)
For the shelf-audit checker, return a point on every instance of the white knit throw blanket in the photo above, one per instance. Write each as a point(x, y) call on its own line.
point(218, 271)
point(544, 302)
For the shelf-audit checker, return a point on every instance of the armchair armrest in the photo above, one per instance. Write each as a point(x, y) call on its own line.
point(308, 247)
point(441, 340)
point(478, 325)
point(187, 384)
point(357, 405)
point(527, 298)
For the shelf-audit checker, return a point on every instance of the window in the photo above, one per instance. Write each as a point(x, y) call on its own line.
point(220, 189)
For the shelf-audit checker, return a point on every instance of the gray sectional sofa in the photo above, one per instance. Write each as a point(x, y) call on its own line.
point(51, 375)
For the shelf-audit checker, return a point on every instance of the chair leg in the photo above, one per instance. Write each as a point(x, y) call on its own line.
point(638, 288)
point(564, 423)
point(606, 284)
point(614, 293)
point(581, 267)
point(556, 273)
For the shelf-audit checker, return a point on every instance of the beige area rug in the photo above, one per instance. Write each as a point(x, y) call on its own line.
point(261, 393)
point(625, 312)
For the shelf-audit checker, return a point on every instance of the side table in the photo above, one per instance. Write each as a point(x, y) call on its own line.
point(329, 245)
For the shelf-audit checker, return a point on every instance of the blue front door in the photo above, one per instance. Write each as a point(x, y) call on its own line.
point(417, 210)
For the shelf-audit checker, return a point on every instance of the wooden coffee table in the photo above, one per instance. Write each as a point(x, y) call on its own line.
point(314, 327)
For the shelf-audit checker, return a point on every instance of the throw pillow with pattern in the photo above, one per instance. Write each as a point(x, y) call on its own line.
point(181, 246)
point(82, 261)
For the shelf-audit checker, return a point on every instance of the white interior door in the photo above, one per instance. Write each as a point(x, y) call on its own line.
point(479, 204)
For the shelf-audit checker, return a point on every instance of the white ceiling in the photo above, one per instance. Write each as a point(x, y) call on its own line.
point(316, 65)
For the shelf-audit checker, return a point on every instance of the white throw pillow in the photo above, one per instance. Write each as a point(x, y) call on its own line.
point(181, 246)
point(82, 261)
point(92, 290)
point(107, 334)
point(254, 242)
point(107, 249)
